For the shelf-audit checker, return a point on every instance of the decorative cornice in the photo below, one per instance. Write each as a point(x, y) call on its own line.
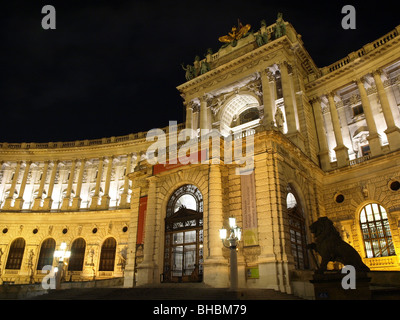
point(255, 57)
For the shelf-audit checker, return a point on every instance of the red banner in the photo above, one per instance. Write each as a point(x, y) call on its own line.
point(141, 220)
point(199, 157)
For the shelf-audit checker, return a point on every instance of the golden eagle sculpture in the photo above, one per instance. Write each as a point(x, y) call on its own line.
point(236, 33)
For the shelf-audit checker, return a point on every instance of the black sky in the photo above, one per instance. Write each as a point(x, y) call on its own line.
point(111, 67)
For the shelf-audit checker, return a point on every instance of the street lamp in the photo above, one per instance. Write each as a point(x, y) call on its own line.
point(61, 255)
point(235, 234)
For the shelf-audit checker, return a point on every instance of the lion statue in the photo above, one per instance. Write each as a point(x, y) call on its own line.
point(331, 247)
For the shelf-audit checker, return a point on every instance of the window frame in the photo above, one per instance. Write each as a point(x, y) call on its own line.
point(376, 233)
point(46, 254)
point(16, 254)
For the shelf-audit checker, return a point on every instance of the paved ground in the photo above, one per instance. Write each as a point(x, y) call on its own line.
point(169, 292)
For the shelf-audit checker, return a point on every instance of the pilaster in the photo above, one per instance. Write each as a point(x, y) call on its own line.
point(19, 202)
point(373, 137)
point(95, 198)
point(105, 199)
point(76, 201)
point(48, 200)
point(8, 201)
point(268, 121)
point(288, 98)
point(129, 273)
point(146, 270)
point(67, 198)
point(341, 150)
point(215, 265)
point(38, 199)
point(321, 133)
point(392, 132)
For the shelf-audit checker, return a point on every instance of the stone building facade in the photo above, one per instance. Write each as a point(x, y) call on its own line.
point(318, 142)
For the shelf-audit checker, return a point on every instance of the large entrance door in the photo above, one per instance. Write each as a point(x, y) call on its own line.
point(183, 250)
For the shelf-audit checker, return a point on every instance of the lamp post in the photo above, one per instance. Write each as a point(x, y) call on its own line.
point(235, 234)
point(61, 255)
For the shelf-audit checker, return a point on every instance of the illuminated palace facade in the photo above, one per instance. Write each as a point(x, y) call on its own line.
point(326, 142)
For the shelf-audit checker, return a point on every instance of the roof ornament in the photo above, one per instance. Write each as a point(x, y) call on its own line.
point(236, 34)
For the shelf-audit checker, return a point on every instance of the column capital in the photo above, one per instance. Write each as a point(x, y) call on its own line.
point(205, 97)
point(268, 74)
point(377, 72)
point(315, 99)
point(331, 94)
point(359, 80)
point(109, 158)
point(28, 163)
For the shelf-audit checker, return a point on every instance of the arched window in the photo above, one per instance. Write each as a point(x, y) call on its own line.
point(107, 256)
point(376, 231)
point(183, 251)
point(297, 231)
point(78, 248)
point(46, 254)
point(188, 196)
point(16, 254)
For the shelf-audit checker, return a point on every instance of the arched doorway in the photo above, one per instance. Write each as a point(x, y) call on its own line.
point(183, 250)
point(297, 230)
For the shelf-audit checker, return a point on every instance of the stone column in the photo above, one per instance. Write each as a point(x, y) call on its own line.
point(323, 144)
point(189, 116)
point(205, 120)
point(20, 200)
point(76, 202)
point(288, 98)
point(146, 270)
point(342, 155)
point(392, 132)
point(38, 199)
point(7, 203)
point(215, 265)
point(48, 200)
point(373, 137)
point(268, 121)
point(95, 198)
point(65, 203)
point(124, 195)
point(105, 199)
point(129, 274)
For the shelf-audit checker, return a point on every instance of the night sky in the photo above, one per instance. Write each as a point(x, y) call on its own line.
point(111, 68)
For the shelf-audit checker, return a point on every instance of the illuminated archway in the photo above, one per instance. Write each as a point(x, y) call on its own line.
point(183, 250)
point(234, 108)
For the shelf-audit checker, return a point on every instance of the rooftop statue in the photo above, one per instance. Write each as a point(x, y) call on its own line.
point(330, 246)
point(262, 37)
point(236, 34)
point(190, 72)
point(280, 28)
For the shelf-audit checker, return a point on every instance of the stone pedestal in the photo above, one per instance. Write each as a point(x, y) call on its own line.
point(329, 287)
